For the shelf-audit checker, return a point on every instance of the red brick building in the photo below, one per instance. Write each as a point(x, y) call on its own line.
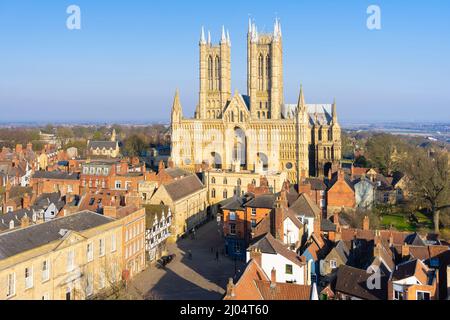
point(341, 193)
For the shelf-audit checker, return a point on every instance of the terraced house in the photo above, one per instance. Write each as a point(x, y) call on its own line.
point(73, 257)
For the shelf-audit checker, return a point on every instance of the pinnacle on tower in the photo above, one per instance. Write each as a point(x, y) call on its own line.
point(209, 37)
point(334, 112)
point(176, 101)
point(228, 38)
point(224, 37)
point(250, 26)
point(277, 29)
point(202, 37)
point(301, 98)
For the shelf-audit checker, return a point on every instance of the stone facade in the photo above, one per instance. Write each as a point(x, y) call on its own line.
point(75, 265)
point(257, 129)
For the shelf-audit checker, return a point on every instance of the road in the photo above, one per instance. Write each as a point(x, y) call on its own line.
point(199, 278)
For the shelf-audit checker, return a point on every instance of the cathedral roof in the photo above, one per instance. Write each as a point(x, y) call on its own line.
point(320, 114)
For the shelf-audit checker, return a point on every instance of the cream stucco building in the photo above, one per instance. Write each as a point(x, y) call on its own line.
point(232, 131)
point(73, 257)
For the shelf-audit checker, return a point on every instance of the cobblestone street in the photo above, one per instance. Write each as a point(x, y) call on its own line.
point(199, 278)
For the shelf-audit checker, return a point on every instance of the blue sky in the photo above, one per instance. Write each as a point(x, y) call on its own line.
point(129, 57)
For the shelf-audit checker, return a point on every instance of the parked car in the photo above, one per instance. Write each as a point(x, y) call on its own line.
point(163, 261)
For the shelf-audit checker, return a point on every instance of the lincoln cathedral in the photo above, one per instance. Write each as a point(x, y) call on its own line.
point(258, 131)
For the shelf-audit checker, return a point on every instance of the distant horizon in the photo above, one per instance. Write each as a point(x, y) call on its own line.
point(127, 60)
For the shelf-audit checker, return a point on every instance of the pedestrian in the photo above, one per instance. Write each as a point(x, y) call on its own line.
point(217, 255)
point(190, 255)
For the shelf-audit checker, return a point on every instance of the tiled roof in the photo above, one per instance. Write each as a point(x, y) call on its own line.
point(283, 291)
point(60, 175)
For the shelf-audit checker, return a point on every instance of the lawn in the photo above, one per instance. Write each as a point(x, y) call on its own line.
point(402, 223)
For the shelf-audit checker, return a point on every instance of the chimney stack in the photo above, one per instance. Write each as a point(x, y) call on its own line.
point(341, 175)
point(231, 292)
point(281, 205)
point(161, 166)
point(25, 221)
point(256, 255)
point(405, 250)
point(26, 201)
point(19, 148)
point(366, 223)
point(109, 211)
point(273, 278)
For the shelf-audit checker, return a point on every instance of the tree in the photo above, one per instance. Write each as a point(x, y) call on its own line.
point(98, 136)
point(384, 152)
point(428, 181)
point(361, 162)
point(135, 145)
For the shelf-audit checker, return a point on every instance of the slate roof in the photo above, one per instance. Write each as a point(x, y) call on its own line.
point(24, 239)
point(60, 175)
point(316, 183)
point(415, 240)
point(352, 281)
point(342, 250)
point(234, 203)
point(347, 180)
point(268, 244)
point(176, 172)
point(262, 201)
point(412, 268)
point(305, 206)
point(102, 144)
point(326, 225)
point(183, 187)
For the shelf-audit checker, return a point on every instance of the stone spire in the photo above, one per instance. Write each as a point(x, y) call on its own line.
point(202, 36)
point(228, 38)
point(301, 99)
point(209, 37)
point(276, 30)
point(250, 26)
point(254, 33)
point(176, 107)
point(334, 112)
point(224, 37)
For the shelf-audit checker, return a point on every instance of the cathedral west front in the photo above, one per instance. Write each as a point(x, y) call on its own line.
point(256, 132)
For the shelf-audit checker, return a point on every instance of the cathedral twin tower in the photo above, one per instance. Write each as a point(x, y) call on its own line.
point(264, 79)
point(257, 131)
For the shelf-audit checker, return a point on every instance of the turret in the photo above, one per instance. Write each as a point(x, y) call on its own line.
point(177, 112)
point(334, 112)
point(302, 128)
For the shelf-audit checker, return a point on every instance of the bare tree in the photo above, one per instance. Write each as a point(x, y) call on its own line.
point(429, 181)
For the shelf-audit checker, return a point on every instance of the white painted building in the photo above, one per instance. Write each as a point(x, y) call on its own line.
point(272, 254)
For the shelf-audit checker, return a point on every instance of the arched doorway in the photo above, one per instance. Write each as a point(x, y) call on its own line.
point(216, 160)
point(264, 159)
point(239, 147)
